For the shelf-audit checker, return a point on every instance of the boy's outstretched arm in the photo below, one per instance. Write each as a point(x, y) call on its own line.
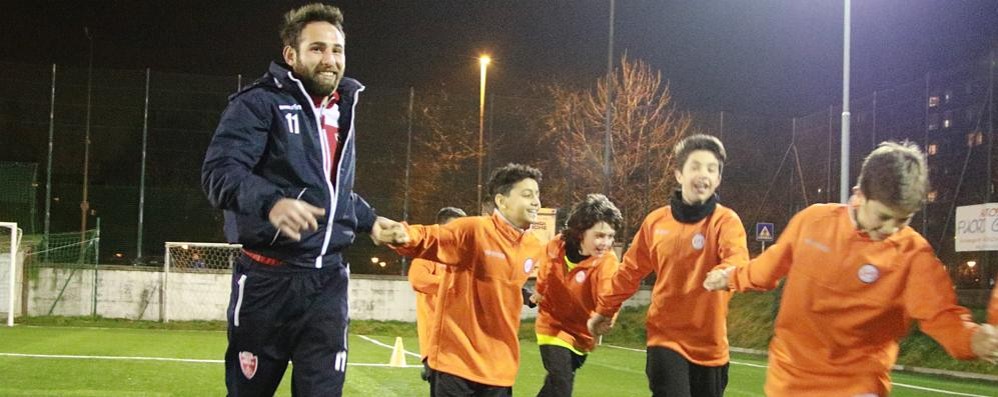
point(763, 272)
point(624, 282)
point(929, 298)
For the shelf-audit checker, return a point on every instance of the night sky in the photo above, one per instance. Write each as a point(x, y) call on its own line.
point(775, 57)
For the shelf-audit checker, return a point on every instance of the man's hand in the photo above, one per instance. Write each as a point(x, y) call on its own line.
point(536, 298)
point(292, 217)
point(599, 325)
point(717, 279)
point(387, 231)
point(984, 343)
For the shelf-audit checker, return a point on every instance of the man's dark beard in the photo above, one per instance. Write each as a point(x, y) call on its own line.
point(316, 89)
point(308, 80)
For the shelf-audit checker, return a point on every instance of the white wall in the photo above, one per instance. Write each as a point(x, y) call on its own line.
point(134, 293)
point(381, 298)
point(123, 292)
point(5, 294)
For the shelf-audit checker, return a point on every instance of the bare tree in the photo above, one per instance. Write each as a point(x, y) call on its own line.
point(646, 125)
point(445, 149)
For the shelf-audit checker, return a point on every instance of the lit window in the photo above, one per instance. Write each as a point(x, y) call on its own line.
point(947, 96)
point(975, 139)
point(947, 119)
point(933, 101)
point(933, 149)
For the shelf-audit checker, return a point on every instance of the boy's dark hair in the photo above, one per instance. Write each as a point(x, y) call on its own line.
point(896, 175)
point(595, 208)
point(503, 178)
point(447, 213)
point(296, 19)
point(696, 142)
point(561, 219)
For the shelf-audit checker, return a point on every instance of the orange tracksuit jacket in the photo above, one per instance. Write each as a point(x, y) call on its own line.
point(425, 278)
point(569, 297)
point(846, 303)
point(474, 331)
point(683, 316)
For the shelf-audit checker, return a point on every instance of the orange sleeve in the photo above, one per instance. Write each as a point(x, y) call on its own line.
point(604, 284)
point(762, 273)
point(451, 244)
point(424, 277)
point(541, 285)
point(930, 299)
point(993, 305)
point(733, 244)
point(627, 279)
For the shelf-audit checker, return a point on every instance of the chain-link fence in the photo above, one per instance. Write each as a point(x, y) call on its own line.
point(417, 152)
point(60, 271)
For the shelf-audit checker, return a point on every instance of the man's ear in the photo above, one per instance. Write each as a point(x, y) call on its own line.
point(290, 55)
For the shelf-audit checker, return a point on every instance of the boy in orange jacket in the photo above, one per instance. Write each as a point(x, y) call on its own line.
point(577, 268)
point(857, 275)
point(686, 329)
point(425, 276)
point(474, 348)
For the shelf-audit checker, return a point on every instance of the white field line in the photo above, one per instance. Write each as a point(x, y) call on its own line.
point(376, 342)
point(120, 358)
point(161, 359)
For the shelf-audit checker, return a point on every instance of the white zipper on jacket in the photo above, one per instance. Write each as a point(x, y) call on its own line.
point(327, 159)
point(346, 145)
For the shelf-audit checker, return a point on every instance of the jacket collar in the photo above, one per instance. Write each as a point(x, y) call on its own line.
point(686, 213)
point(556, 253)
point(506, 228)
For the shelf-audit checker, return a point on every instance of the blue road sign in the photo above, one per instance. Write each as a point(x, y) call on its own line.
point(764, 232)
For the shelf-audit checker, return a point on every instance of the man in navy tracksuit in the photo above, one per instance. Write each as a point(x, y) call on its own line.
point(281, 165)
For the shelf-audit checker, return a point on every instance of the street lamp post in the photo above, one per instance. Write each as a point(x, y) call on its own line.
point(844, 170)
point(484, 61)
point(85, 203)
point(607, 137)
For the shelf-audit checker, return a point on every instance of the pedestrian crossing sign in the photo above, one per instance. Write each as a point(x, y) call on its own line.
point(764, 232)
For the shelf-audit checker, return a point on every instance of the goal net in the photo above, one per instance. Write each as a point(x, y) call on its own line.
point(196, 280)
point(10, 272)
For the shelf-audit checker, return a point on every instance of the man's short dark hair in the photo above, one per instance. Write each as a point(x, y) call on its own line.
point(503, 178)
point(448, 213)
point(296, 19)
point(696, 142)
point(595, 208)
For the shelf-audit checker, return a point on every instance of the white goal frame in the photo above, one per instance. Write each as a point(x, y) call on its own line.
point(14, 240)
